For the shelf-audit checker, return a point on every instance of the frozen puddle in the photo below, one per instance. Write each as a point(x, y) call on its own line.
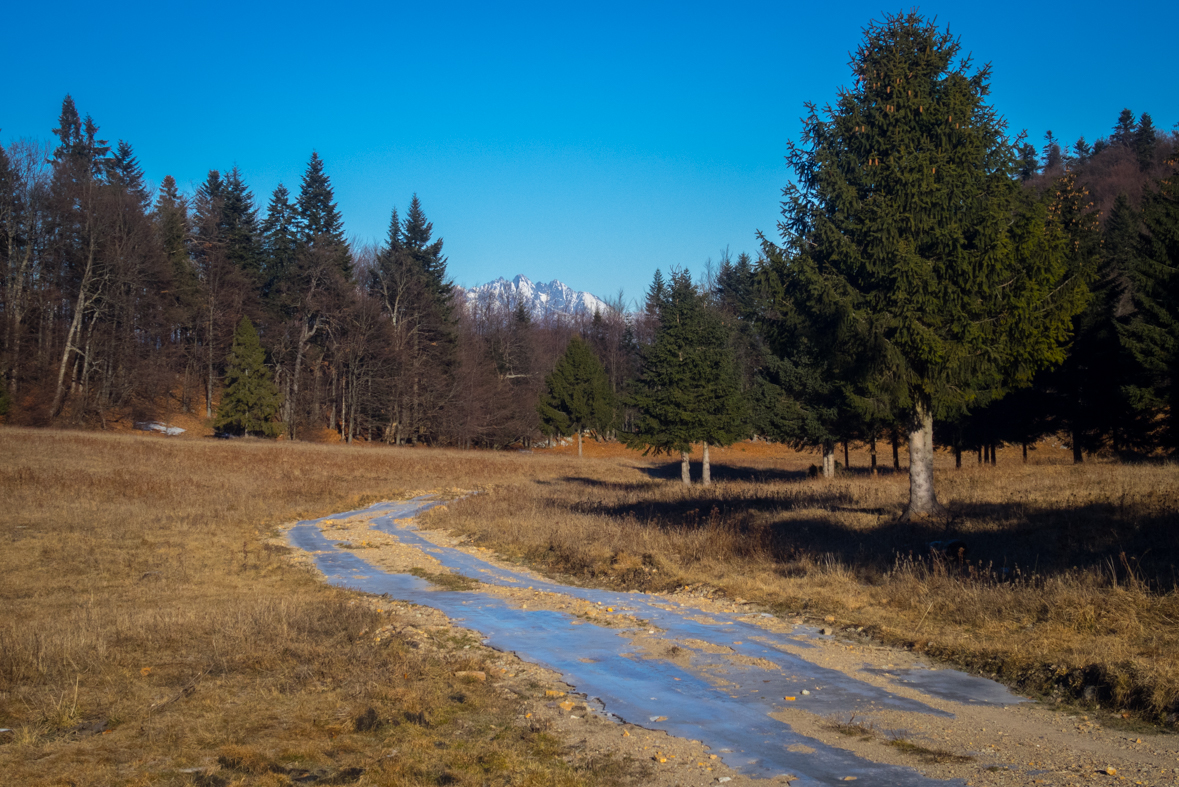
point(724, 704)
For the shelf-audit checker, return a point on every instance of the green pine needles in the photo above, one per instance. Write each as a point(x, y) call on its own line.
point(1152, 336)
point(576, 396)
point(910, 256)
point(251, 401)
point(689, 391)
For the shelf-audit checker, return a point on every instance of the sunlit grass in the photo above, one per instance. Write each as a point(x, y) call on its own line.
point(150, 635)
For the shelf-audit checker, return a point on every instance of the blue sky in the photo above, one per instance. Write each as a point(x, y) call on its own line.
point(591, 143)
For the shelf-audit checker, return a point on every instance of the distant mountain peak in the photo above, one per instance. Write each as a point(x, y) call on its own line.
point(539, 298)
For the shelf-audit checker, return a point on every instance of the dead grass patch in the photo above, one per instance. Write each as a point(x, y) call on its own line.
point(851, 728)
point(447, 580)
point(151, 635)
point(926, 754)
point(1066, 588)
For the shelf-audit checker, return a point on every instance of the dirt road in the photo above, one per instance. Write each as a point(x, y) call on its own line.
point(713, 690)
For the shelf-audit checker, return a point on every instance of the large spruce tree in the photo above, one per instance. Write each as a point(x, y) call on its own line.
point(280, 242)
point(689, 390)
point(239, 221)
point(409, 278)
point(1153, 334)
point(904, 233)
point(321, 226)
point(251, 401)
point(576, 396)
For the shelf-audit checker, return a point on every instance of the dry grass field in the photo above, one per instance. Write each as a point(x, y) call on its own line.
point(147, 633)
point(147, 629)
point(1067, 587)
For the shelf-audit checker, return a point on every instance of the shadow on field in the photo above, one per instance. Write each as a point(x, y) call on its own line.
point(666, 471)
point(1123, 542)
point(815, 522)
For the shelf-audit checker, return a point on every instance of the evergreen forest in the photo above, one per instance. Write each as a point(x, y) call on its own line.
point(124, 301)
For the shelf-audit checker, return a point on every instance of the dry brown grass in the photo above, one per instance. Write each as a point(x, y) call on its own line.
point(148, 631)
point(1068, 582)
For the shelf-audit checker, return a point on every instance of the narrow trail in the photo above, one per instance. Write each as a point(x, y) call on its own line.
point(759, 692)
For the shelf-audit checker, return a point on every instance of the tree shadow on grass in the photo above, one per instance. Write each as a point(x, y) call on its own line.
point(722, 472)
point(1001, 540)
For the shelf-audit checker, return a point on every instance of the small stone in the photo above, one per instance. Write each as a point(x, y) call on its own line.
point(566, 706)
point(829, 619)
point(804, 691)
point(826, 632)
point(553, 693)
point(723, 779)
point(1111, 771)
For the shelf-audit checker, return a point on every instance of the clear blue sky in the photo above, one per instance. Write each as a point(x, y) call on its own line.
point(587, 142)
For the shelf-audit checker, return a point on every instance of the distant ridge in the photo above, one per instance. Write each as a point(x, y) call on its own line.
point(539, 298)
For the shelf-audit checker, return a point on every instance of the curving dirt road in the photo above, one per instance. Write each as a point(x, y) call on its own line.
point(718, 692)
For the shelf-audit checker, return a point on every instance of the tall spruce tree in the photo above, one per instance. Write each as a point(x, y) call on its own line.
point(239, 222)
point(1153, 334)
point(126, 173)
point(251, 401)
point(409, 278)
point(1083, 392)
point(280, 241)
point(320, 224)
point(576, 396)
point(171, 213)
point(689, 390)
point(1123, 131)
point(1145, 142)
point(418, 243)
point(904, 231)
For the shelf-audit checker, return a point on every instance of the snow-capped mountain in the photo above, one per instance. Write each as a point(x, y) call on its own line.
point(539, 298)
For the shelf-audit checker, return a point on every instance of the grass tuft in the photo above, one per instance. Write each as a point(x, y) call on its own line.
point(926, 754)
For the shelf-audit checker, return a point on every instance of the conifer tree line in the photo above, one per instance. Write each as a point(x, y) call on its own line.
point(126, 301)
point(940, 284)
point(936, 284)
point(943, 285)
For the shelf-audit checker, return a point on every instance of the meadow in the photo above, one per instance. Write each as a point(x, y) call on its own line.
point(1062, 582)
point(150, 634)
point(151, 627)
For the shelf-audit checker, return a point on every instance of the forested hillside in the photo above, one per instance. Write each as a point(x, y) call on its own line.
point(120, 302)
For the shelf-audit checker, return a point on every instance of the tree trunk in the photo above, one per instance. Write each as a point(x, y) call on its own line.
point(685, 472)
point(872, 452)
point(980, 456)
point(295, 389)
point(1025, 453)
point(828, 460)
point(706, 472)
point(209, 369)
point(994, 451)
point(1078, 455)
point(75, 327)
point(922, 497)
point(896, 450)
point(986, 454)
point(958, 457)
point(846, 459)
point(578, 443)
